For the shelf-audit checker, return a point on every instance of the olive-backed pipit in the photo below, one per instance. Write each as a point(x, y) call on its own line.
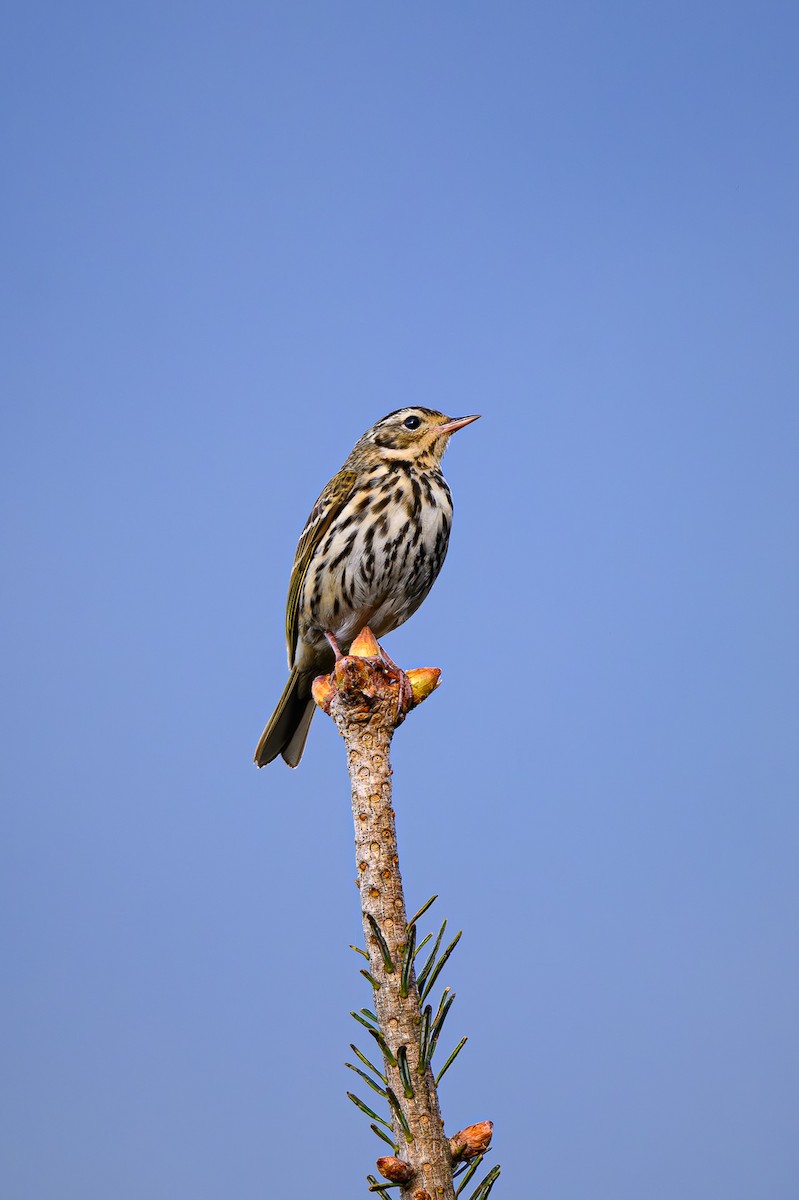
point(368, 555)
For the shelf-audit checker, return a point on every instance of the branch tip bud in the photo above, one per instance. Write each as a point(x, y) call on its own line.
point(423, 681)
point(365, 644)
point(322, 690)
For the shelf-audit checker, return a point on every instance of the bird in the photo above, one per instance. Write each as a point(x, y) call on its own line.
point(369, 554)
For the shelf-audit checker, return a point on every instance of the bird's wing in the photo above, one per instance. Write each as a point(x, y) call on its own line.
point(323, 513)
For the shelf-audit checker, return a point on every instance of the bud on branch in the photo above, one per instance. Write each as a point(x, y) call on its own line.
point(394, 1169)
point(471, 1141)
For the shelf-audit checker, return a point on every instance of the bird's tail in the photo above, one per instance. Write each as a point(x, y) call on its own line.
point(289, 724)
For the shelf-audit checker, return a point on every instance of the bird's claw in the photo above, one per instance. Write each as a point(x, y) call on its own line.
point(413, 686)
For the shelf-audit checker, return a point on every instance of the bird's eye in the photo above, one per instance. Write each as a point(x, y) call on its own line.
point(412, 422)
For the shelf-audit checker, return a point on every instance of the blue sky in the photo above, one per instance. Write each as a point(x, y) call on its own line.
point(233, 237)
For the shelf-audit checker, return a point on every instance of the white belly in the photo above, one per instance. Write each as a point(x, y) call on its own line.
point(377, 569)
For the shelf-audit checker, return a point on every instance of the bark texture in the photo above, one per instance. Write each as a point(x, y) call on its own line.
point(368, 699)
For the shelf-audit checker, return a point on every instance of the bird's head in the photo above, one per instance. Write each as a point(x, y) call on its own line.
point(416, 435)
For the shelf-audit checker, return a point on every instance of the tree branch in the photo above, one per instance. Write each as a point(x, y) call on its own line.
point(368, 697)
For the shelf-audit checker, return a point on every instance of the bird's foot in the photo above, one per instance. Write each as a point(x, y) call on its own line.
point(365, 655)
point(406, 697)
point(366, 645)
point(334, 646)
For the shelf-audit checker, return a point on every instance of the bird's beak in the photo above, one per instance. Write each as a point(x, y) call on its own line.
point(457, 423)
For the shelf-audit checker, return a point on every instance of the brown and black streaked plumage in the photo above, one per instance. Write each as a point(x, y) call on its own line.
point(368, 555)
